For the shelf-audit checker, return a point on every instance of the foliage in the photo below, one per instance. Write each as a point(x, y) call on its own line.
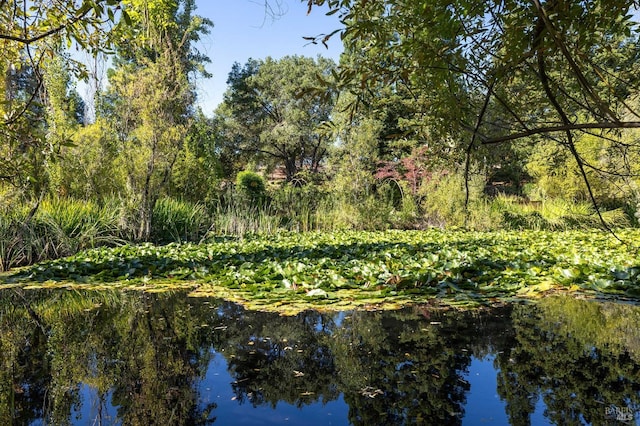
point(198, 169)
point(300, 207)
point(23, 144)
point(16, 247)
point(152, 128)
point(552, 214)
point(178, 221)
point(444, 200)
point(380, 267)
point(467, 53)
point(150, 97)
point(411, 169)
point(554, 174)
point(480, 74)
point(271, 113)
point(30, 35)
point(91, 168)
point(251, 184)
point(66, 21)
point(353, 157)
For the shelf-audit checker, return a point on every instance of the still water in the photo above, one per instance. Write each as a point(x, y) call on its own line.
point(103, 358)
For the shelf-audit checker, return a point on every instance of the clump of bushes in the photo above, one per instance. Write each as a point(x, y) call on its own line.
point(251, 184)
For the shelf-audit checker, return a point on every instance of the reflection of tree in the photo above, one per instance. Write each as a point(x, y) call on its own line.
point(577, 376)
point(144, 354)
point(145, 348)
point(274, 358)
point(156, 377)
point(393, 368)
point(396, 369)
point(23, 376)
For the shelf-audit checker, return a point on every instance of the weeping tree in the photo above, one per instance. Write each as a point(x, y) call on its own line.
point(485, 73)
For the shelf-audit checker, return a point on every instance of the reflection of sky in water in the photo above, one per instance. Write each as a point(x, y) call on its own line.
point(484, 405)
point(216, 387)
point(547, 358)
point(92, 410)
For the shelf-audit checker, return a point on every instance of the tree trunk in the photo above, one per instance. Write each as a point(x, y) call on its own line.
point(290, 168)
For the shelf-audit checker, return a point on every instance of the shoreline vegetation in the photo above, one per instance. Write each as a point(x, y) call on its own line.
point(448, 155)
point(289, 272)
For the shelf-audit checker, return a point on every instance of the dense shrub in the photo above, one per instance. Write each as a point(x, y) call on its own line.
point(250, 184)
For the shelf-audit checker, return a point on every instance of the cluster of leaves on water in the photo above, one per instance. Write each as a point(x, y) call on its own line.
point(341, 268)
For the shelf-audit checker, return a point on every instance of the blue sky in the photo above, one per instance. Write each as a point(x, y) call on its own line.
point(242, 31)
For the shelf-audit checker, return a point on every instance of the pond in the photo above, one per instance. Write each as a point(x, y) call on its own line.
point(134, 358)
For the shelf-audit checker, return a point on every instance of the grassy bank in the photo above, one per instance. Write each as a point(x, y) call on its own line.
point(337, 270)
point(63, 227)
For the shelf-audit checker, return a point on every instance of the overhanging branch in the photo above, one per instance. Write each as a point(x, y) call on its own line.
point(29, 40)
point(560, 128)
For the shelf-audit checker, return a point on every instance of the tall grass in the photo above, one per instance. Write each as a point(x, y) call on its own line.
point(299, 209)
point(58, 228)
point(241, 221)
point(69, 226)
point(177, 221)
point(62, 227)
point(16, 245)
point(311, 208)
point(553, 214)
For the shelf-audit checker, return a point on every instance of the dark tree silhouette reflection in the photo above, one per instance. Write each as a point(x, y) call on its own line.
point(146, 356)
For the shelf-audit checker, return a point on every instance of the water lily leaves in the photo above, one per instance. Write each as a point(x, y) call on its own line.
point(360, 268)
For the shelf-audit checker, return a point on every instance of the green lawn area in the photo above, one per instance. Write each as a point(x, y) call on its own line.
point(341, 270)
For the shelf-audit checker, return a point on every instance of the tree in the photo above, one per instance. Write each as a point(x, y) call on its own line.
point(30, 34)
point(92, 167)
point(22, 138)
point(353, 158)
point(151, 97)
point(64, 113)
point(500, 71)
point(272, 114)
point(198, 168)
point(581, 56)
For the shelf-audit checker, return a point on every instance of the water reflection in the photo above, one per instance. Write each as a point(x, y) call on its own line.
point(140, 359)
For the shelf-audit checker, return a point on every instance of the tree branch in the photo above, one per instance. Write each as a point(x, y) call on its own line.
point(582, 80)
point(570, 144)
point(474, 137)
point(561, 128)
point(30, 40)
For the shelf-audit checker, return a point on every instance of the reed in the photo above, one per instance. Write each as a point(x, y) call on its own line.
point(178, 221)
